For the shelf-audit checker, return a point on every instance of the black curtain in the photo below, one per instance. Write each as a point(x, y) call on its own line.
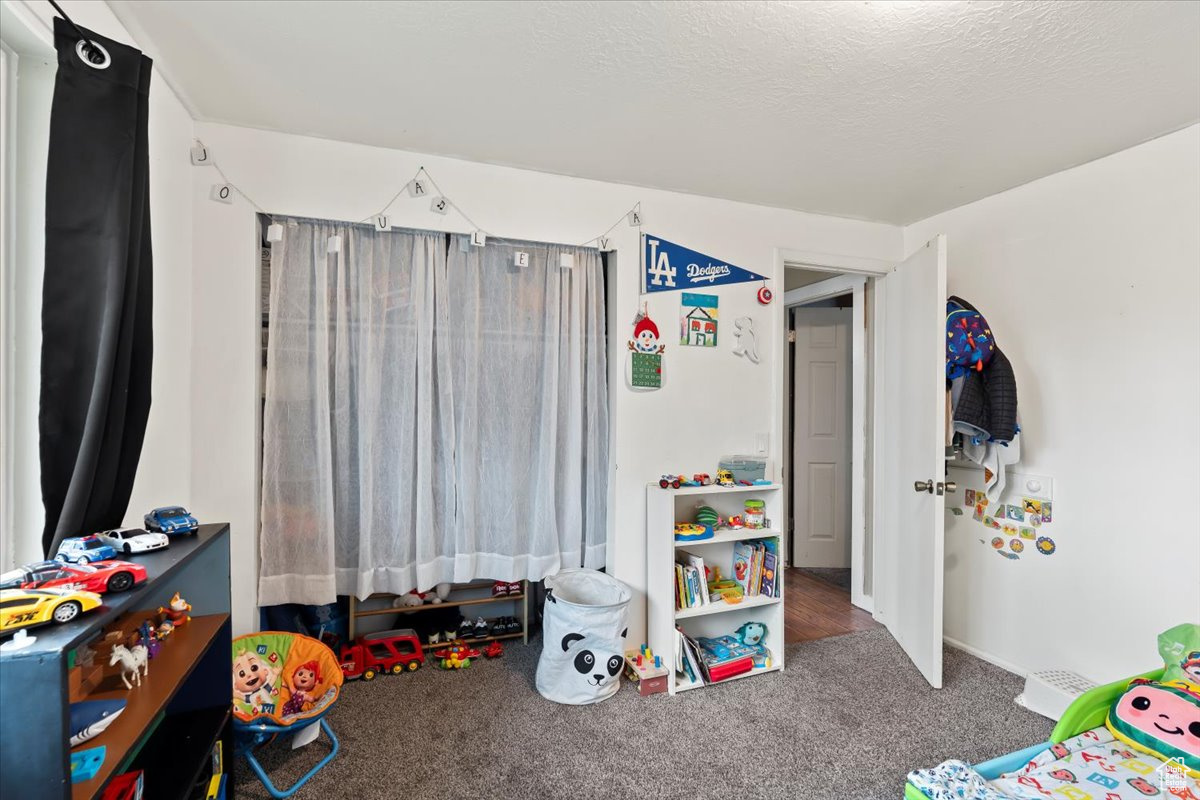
point(96, 299)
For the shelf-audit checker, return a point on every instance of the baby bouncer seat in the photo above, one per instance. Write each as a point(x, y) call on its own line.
point(282, 683)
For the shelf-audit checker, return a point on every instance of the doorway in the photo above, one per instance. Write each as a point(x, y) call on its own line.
point(824, 445)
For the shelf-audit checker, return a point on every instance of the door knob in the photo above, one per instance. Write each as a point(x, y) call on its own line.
point(950, 486)
point(923, 486)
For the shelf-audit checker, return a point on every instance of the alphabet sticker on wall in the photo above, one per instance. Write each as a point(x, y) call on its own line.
point(698, 320)
point(645, 354)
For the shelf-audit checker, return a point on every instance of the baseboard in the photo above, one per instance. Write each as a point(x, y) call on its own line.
point(988, 657)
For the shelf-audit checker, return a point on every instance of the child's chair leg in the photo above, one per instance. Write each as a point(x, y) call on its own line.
point(279, 794)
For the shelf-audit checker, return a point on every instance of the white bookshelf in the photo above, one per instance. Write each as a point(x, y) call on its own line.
point(665, 507)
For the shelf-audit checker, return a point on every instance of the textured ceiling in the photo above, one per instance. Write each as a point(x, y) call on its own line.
point(876, 110)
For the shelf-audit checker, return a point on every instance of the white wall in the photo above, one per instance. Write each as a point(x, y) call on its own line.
point(164, 475)
point(713, 403)
point(1090, 280)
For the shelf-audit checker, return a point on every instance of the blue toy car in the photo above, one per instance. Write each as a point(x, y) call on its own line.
point(171, 520)
point(84, 550)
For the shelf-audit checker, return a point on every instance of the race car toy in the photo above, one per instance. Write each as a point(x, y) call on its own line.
point(106, 576)
point(171, 520)
point(84, 550)
point(133, 540)
point(24, 608)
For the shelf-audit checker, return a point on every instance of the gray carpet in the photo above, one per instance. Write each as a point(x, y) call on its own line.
point(834, 577)
point(847, 719)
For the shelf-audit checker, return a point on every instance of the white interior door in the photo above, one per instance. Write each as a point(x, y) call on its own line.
point(821, 457)
point(909, 520)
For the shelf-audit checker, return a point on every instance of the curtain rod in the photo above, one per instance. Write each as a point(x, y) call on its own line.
point(93, 54)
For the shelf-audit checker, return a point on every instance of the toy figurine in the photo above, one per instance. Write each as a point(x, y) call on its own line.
point(134, 663)
point(165, 629)
point(147, 637)
point(176, 610)
point(304, 684)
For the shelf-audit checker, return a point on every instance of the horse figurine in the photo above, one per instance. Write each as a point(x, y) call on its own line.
point(134, 662)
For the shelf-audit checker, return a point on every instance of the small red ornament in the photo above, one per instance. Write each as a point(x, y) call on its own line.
point(765, 295)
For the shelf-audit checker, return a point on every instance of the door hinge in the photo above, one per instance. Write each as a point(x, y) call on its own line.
point(791, 337)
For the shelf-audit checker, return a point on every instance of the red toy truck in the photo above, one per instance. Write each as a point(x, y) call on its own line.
point(386, 651)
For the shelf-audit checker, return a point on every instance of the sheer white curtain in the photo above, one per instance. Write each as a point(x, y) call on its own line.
point(358, 488)
point(525, 347)
point(428, 421)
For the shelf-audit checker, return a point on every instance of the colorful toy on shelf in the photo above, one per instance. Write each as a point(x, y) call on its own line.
point(736, 522)
point(705, 515)
point(751, 633)
point(761, 482)
point(725, 478)
point(171, 520)
point(165, 629)
point(84, 550)
point(702, 479)
point(89, 718)
point(494, 650)
point(128, 786)
point(147, 636)
point(670, 481)
point(456, 656)
point(133, 540)
point(134, 661)
point(756, 513)
point(86, 763)
point(176, 611)
point(691, 532)
point(24, 608)
point(385, 651)
point(106, 576)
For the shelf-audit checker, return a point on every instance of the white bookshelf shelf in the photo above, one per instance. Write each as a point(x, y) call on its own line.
point(664, 508)
point(721, 607)
point(732, 535)
point(714, 489)
point(684, 684)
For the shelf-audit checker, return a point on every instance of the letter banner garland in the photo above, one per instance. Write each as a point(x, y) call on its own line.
point(668, 267)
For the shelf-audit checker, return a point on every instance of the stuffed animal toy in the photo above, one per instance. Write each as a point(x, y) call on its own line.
point(410, 600)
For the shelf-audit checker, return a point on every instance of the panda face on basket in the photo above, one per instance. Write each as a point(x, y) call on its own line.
point(597, 665)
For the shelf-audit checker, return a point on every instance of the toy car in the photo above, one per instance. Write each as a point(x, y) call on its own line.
point(133, 540)
point(386, 651)
point(171, 520)
point(702, 479)
point(107, 576)
point(725, 478)
point(23, 608)
point(84, 550)
point(672, 481)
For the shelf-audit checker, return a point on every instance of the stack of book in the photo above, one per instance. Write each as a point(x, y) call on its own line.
point(754, 567)
point(712, 660)
point(691, 581)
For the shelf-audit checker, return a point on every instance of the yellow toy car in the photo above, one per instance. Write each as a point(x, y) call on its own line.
point(725, 478)
point(22, 608)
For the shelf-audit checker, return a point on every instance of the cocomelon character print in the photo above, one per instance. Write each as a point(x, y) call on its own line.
point(645, 353)
point(255, 683)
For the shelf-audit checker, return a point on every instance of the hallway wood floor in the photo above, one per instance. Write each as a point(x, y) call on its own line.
point(814, 609)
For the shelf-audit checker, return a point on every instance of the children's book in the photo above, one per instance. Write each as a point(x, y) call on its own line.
point(697, 563)
point(768, 575)
point(743, 555)
point(680, 593)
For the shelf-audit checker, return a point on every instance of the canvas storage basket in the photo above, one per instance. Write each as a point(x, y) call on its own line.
point(584, 624)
